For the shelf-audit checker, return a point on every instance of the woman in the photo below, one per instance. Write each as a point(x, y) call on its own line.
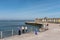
point(19, 31)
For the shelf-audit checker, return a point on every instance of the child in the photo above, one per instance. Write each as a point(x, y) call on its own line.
point(36, 32)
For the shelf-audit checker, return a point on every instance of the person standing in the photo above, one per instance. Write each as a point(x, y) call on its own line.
point(23, 31)
point(26, 29)
point(19, 31)
point(36, 32)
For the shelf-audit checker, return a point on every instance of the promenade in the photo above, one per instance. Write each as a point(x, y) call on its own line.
point(52, 34)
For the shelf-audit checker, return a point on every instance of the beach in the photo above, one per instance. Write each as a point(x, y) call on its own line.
point(52, 34)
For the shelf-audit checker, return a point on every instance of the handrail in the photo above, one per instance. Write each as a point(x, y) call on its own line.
point(1, 33)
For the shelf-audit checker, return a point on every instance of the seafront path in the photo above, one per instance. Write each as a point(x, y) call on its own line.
point(52, 34)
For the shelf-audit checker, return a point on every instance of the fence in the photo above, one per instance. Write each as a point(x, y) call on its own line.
point(8, 33)
point(4, 34)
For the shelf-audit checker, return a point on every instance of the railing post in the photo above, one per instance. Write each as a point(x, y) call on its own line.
point(1, 35)
point(12, 32)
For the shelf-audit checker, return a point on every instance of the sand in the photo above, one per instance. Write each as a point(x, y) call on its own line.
point(52, 34)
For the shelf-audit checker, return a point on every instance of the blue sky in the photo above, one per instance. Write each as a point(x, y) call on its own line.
point(29, 9)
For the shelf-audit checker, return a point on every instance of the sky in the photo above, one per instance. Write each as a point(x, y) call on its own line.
point(29, 9)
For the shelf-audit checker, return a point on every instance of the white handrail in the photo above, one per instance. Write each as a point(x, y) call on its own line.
point(1, 35)
point(12, 32)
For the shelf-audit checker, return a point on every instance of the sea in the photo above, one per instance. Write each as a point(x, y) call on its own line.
point(6, 27)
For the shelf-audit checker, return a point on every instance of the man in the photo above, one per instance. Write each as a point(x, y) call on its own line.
point(23, 30)
point(26, 28)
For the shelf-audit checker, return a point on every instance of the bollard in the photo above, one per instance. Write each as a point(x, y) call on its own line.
point(12, 32)
point(1, 35)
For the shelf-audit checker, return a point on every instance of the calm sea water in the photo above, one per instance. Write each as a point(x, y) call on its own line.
point(6, 27)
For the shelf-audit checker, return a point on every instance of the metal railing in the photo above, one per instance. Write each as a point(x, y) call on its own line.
point(12, 32)
point(9, 33)
point(1, 34)
point(4, 34)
